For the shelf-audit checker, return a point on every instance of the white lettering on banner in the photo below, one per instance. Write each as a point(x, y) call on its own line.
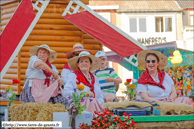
point(152, 40)
point(24, 124)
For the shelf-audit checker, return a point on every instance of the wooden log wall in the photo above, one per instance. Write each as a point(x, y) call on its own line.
point(59, 34)
point(12, 73)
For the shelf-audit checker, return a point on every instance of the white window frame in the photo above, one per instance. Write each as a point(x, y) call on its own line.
point(191, 18)
point(105, 15)
point(164, 24)
point(137, 21)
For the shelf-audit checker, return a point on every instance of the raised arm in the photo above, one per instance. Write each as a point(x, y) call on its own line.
point(41, 65)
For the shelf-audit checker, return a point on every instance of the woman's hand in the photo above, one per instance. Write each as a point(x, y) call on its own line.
point(55, 75)
point(173, 93)
point(89, 93)
point(60, 82)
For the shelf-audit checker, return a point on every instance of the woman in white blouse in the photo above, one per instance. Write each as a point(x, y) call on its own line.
point(154, 84)
point(77, 48)
point(82, 65)
point(42, 83)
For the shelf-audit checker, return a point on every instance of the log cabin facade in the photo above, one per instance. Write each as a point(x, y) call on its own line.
point(51, 29)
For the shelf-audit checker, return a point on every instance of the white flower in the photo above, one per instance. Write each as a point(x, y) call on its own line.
point(134, 80)
point(9, 95)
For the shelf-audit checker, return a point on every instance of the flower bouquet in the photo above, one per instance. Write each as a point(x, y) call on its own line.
point(9, 95)
point(78, 96)
point(131, 88)
point(106, 120)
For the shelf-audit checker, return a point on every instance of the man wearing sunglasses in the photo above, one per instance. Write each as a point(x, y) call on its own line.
point(107, 77)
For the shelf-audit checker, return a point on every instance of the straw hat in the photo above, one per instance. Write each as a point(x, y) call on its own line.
point(52, 55)
point(76, 48)
point(163, 60)
point(96, 62)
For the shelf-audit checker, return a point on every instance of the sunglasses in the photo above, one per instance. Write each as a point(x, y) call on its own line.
point(148, 61)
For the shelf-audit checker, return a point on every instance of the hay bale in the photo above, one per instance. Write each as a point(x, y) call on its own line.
point(34, 111)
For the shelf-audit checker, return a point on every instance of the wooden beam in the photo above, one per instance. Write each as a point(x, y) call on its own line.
point(56, 32)
point(54, 21)
point(6, 102)
point(54, 38)
point(19, 72)
point(15, 4)
point(50, 43)
point(5, 2)
point(55, 27)
point(9, 10)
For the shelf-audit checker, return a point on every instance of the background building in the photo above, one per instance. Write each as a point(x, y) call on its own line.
point(149, 22)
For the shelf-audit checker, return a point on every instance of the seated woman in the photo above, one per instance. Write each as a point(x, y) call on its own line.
point(42, 83)
point(77, 48)
point(154, 84)
point(82, 65)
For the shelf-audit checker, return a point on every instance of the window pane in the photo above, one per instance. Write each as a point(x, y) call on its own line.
point(168, 24)
point(159, 24)
point(191, 20)
point(133, 25)
point(142, 25)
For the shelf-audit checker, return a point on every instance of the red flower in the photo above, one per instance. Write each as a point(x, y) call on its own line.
point(133, 122)
point(124, 114)
point(116, 125)
point(95, 112)
point(128, 80)
point(124, 124)
point(101, 115)
point(81, 79)
point(15, 81)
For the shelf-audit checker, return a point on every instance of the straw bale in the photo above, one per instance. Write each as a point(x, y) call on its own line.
point(34, 111)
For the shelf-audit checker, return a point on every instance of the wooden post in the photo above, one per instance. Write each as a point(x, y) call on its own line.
point(82, 38)
point(19, 72)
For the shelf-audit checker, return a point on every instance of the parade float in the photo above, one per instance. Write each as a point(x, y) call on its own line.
point(60, 24)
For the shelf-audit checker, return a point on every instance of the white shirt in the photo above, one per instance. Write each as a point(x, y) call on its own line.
point(64, 75)
point(71, 85)
point(156, 92)
point(33, 72)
